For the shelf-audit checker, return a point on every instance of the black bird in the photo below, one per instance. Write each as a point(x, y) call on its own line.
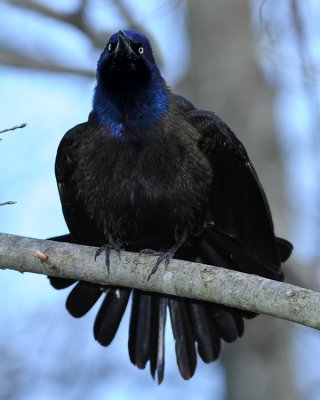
point(150, 171)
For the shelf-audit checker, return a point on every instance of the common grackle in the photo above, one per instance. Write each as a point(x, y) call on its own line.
point(149, 172)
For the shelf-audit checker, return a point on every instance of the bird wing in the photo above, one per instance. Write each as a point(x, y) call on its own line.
point(84, 295)
point(75, 218)
point(79, 224)
point(238, 204)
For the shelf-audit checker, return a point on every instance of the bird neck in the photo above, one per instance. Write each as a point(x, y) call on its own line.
point(137, 110)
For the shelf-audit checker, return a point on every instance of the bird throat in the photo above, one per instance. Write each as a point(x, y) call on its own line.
point(137, 111)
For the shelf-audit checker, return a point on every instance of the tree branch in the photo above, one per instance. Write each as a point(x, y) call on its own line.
point(16, 59)
point(181, 278)
point(77, 19)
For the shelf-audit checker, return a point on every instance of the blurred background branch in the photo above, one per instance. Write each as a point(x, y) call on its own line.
point(14, 59)
point(76, 18)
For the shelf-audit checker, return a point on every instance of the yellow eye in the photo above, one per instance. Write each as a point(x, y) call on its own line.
point(140, 50)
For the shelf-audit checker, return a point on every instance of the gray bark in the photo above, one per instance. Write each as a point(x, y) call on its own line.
point(181, 278)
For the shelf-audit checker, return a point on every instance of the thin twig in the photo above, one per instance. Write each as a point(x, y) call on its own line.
point(14, 128)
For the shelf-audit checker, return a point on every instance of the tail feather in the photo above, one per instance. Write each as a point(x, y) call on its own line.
point(163, 303)
point(60, 283)
point(155, 337)
point(238, 319)
point(141, 328)
point(157, 347)
point(82, 298)
point(146, 332)
point(110, 314)
point(204, 331)
point(224, 322)
point(182, 332)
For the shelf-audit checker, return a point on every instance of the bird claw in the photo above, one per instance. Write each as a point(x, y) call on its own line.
point(150, 252)
point(163, 256)
point(116, 246)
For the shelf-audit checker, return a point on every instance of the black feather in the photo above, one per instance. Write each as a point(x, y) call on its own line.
point(204, 331)
point(82, 298)
point(224, 322)
point(158, 346)
point(60, 283)
point(109, 315)
point(183, 334)
point(141, 328)
point(154, 339)
point(285, 248)
point(63, 238)
point(238, 319)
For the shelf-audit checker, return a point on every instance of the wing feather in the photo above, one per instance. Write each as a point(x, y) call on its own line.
point(239, 207)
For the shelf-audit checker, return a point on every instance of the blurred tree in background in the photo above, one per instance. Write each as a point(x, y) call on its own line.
point(257, 65)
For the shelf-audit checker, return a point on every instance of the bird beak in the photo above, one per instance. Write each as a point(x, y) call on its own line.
point(123, 46)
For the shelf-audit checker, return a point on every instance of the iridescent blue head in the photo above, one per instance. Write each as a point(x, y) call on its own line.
point(127, 62)
point(130, 91)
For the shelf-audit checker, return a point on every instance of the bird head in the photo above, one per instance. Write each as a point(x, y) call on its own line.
point(127, 62)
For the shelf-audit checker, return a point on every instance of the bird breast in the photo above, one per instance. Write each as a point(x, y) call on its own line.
point(148, 190)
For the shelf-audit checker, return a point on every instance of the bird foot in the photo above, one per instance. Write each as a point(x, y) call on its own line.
point(163, 256)
point(106, 248)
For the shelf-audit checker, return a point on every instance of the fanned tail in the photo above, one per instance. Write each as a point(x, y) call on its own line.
point(193, 322)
